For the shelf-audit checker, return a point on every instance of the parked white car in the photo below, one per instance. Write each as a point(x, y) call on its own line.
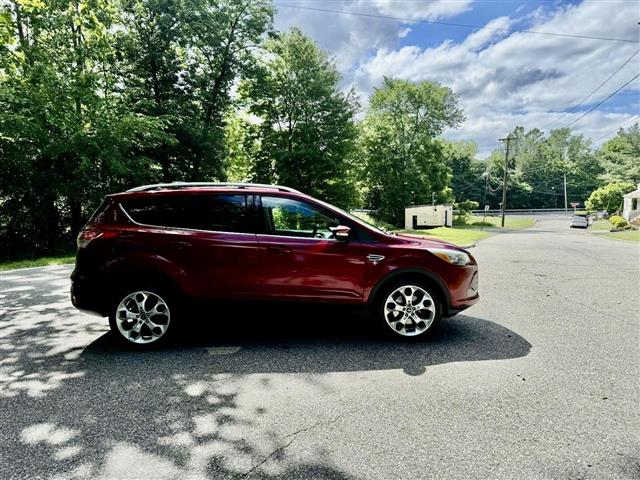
point(579, 221)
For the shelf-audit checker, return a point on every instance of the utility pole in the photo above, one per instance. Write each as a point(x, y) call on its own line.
point(503, 206)
point(564, 176)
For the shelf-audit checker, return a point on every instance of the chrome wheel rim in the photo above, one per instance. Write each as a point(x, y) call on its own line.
point(143, 317)
point(409, 310)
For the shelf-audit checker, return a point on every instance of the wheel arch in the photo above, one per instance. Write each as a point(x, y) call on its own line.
point(428, 278)
point(155, 270)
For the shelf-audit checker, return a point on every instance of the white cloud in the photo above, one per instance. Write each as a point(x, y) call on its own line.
point(508, 79)
point(351, 38)
point(420, 10)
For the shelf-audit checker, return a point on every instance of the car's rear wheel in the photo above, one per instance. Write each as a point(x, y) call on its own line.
point(410, 309)
point(142, 317)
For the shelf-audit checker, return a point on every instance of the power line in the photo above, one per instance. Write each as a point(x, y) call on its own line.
point(469, 185)
point(600, 103)
point(450, 24)
point(590, 94)
point(615, 130)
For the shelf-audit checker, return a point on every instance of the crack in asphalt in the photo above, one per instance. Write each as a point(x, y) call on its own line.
point(293, 437)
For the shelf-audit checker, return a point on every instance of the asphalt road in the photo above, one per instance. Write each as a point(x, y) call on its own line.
point(539, 380)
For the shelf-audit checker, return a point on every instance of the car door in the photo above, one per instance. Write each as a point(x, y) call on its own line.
point(210, 237)
point(300, 259)
point(221, 247)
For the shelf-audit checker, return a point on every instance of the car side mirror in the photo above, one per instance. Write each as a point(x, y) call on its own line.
point(341, 233)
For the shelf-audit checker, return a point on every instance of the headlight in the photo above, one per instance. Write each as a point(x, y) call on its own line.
point(454, 257)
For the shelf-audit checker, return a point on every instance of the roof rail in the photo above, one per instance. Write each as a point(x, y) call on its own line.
point(240, 185)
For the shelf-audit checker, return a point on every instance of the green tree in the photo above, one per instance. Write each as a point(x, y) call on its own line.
point(468, 175)
point(404, 163)
point(538, 165)
point(241, 148)
point(183, 58)
point(98, 95)
point(620, 156)
point(609, 197)
point(307, 132)
point(65, 133)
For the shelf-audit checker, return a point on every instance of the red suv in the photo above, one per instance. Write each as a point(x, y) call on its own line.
point(148, 250)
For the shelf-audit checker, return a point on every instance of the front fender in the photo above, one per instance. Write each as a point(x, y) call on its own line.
point(407, 270)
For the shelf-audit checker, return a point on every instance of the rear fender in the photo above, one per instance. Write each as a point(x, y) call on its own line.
point(144, 266)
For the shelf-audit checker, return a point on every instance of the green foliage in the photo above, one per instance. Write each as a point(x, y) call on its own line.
point(100, 95)
point(618, 222)
point(307, 134)
point(468, 175)
point(466, 206)
point(403, 161)
point(620, 156)
point(242, 147)
point(61, 259)
point(374, 221)
point(464, 210)
point(537, 166)
point(609, 197)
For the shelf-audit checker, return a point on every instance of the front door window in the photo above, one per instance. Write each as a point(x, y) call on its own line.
point(289, 217)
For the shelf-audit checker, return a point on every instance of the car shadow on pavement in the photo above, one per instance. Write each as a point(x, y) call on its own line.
point(323, 339)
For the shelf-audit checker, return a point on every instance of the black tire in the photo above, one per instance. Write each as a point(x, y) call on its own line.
point(381, 313)
point(168, 296)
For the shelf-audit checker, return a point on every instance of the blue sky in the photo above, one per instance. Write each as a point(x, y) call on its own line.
point(503, 78)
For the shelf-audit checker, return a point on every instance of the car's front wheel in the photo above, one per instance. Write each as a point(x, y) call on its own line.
point(410, 309)
point(142, 317)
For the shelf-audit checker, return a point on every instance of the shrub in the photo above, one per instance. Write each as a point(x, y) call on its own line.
point(618, 222)
point(464, 211)
point(609, 197)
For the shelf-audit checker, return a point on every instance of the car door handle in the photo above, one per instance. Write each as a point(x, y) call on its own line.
point(279, 250)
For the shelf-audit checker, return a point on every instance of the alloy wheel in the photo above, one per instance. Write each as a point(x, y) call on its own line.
point(143, 317)
point(409, 310)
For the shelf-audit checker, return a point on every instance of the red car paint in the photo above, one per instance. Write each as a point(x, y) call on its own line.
point(256, 263)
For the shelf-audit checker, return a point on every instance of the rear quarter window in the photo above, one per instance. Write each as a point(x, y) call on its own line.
point(165, 211)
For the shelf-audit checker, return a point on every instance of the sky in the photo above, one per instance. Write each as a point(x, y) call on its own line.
point(503, 76)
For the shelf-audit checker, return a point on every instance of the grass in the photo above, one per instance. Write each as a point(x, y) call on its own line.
point(457, 236)
point(513, 223)
point(626, 235)
point(469, 232)
point(601, 225)
point(38, 262)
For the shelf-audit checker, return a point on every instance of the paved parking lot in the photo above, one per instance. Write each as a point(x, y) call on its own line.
point(539, 380)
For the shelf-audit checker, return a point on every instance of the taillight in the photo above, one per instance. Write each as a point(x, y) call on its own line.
point(88, 235)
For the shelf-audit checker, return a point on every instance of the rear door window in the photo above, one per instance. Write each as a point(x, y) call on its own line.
point(219, 213)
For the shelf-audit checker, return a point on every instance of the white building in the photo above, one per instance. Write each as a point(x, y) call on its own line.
point(426, 216)
point(631, 205)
